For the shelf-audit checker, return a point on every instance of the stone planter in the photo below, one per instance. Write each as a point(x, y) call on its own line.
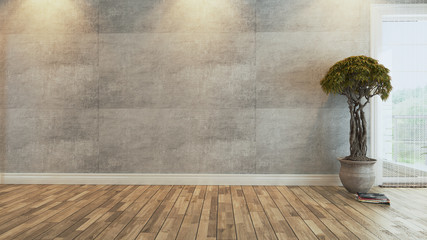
point(357, 176)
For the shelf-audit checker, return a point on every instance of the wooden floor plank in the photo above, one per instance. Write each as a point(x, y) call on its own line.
point(401, 228)
point(76, 213)
point(226, 229)
point(33, 195)
point(403, 210)
point(379, 213)
point(103, 216)
point(341, 211)
point(141, 197)
point(371, 211)
point(278, 222)
point(153, 226)
point(242, 217)
point(10, 187)
point(317, 226)
point(209, 217)
point(260, 221)
point(134, 227)
point(346, 220)
point(39, 219)
point(12, 196)
point(32, 199)
point(25, 215)
point(206, 212)
point(67, 216)
point(174, 220)
point(191, 220)
point(300, 228)
point(330, 221)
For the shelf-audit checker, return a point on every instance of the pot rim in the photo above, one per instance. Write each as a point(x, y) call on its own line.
point(341, 159)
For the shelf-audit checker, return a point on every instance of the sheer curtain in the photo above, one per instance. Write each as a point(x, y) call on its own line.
point(403, 118)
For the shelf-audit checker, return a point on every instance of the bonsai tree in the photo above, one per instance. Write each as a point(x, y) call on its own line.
point(359, 78)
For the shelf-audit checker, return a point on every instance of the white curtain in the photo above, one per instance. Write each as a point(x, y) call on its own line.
point(404, 115)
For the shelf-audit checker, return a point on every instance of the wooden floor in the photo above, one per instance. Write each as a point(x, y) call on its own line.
point(206, 212)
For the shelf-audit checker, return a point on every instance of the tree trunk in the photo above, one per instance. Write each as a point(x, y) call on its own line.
point(358, 130)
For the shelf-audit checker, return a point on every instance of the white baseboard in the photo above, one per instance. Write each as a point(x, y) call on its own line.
point(172, 179)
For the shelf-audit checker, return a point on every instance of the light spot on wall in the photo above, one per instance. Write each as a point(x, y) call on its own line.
point(45, 16)
point(48, 15)
point(203, 15)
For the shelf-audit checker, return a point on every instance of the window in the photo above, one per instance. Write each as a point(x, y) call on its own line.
point(399, 139)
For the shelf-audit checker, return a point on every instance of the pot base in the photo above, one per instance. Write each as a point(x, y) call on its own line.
point(357, 176)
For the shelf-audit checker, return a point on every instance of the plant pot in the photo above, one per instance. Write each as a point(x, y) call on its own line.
point(357, 176)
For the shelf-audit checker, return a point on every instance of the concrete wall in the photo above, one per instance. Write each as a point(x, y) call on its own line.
point(174, 86)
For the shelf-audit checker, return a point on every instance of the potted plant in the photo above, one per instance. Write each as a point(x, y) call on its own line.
point(359, 78)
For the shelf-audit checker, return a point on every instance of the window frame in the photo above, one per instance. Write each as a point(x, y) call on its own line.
point(377, 13)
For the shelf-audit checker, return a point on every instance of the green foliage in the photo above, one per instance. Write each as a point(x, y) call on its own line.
point(410, 101)
point(358, 76)
point(409, 153)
